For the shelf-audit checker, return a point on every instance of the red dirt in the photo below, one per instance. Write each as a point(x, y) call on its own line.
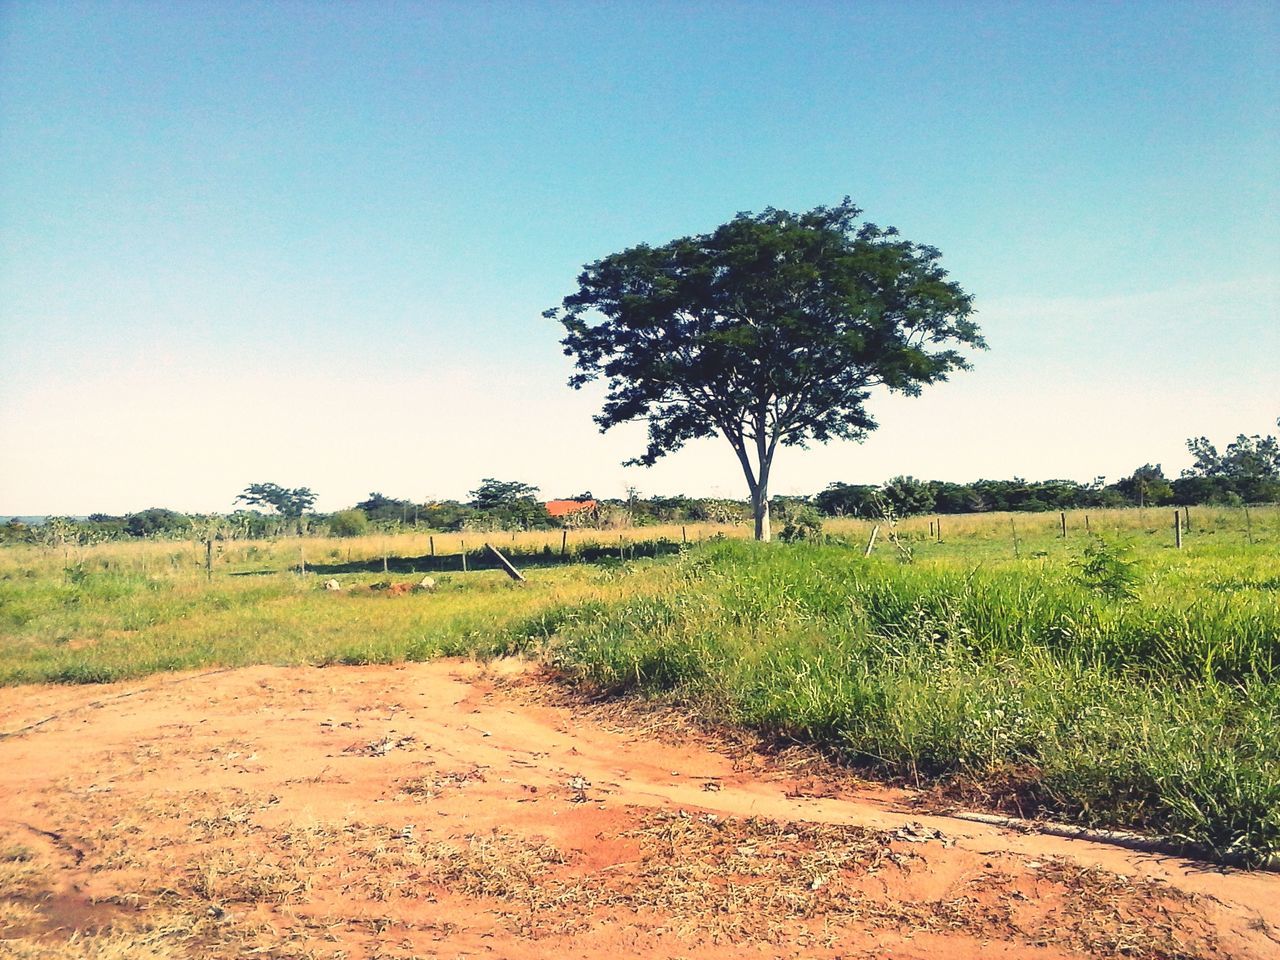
point(447, 810)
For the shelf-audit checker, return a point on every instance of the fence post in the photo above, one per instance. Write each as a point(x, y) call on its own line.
point(208, 558)
point(938, 527)
point(564, 543)
point(1063, 517)
point(871, 541)
point(463, 544)
point(1177, 529)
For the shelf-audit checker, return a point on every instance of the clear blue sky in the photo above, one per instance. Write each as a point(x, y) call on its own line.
point(310, 243)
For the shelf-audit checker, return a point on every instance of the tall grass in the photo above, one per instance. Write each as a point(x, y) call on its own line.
point(1156, 712)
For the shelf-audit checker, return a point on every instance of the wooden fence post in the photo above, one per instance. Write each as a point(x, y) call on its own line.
point(208, 558)
point(871, 541)
point(564, 543)
point(1177, 529)
point(1063, 517)
point(464, 555)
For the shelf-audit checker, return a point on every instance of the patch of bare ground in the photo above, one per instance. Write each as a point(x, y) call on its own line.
point(444, 810)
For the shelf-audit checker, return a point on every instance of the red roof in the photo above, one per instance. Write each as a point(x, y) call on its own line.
point(562, 508)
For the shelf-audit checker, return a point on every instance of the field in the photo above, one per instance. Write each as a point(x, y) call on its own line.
point(990, 664)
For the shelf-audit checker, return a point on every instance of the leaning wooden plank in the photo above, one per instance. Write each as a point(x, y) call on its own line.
point(512, 572)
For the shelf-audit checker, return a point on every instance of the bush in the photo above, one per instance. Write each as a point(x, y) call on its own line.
point(349, 523)
point(800, 522)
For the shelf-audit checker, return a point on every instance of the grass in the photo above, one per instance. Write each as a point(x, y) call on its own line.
point(1155, 711)
point(1125, 683)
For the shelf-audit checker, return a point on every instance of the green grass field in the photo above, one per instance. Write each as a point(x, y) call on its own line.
point(1132, 684)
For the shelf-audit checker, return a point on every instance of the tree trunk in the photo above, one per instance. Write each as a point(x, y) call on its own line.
point(760, 504)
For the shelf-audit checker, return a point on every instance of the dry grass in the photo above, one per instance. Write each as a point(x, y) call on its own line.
point(21, 875)
point(117, 945)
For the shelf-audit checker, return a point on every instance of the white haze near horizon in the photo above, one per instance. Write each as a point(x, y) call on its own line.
point(1072, 388)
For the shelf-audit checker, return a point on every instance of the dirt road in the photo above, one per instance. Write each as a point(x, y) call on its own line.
point(448, 810)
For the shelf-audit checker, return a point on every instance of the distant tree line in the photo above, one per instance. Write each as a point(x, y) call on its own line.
point(1246, 471)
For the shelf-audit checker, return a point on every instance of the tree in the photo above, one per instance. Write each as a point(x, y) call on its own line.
point(380, 507)
point(1147, 485)
point(509, 504)
point(1249, 467)
point(290, 504)
point(908, 496)
point(493, 494)
point(845, 499)
point(156, 521)
point(771, 330)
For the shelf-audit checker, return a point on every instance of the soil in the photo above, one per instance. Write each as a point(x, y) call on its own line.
point(451, 809)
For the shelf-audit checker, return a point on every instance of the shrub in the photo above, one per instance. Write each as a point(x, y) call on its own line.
point(800, 522)
point(349, 523)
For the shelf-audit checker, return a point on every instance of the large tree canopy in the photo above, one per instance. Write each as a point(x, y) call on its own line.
point(290, 504)
point(773, 329)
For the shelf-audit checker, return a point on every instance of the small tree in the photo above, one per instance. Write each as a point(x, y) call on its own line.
point(771, 330)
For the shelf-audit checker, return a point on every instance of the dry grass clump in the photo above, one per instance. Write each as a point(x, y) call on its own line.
point(1106, 914)
point(117, 945)
point(20, 874)
point(496, 864)
point(428, 788)
point(226, 877)
point(754, 879)
point(499, 865)
point(285, 874)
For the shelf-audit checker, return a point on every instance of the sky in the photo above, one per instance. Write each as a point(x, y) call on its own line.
point(310, 243)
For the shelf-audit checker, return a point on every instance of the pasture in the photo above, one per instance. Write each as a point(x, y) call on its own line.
point(1117, 682)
